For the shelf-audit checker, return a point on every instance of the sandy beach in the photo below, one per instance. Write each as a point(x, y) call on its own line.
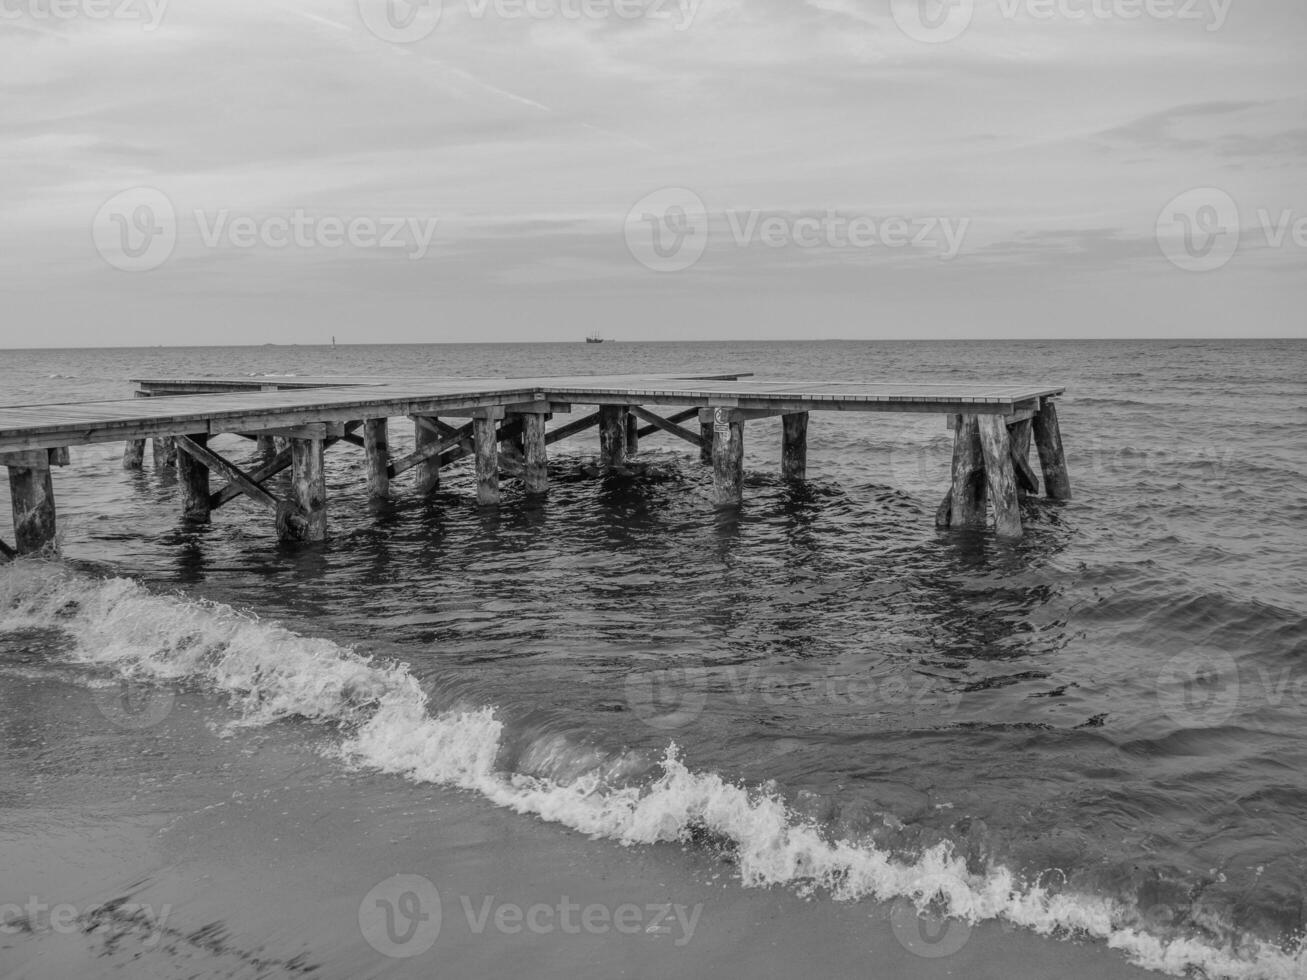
point(255, 862)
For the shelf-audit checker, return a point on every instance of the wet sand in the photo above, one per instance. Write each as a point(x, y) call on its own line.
point(250, 855)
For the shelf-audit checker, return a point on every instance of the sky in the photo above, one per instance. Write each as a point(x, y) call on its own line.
point(251, 171)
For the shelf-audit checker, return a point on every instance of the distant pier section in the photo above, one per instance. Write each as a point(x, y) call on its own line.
point(506, 426)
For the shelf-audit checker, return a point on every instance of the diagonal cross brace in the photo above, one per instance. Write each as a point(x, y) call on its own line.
point(668, 426)
point(218, 464)
point(266, 472)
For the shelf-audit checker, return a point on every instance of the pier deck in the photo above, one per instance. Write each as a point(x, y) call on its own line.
point(296, 418)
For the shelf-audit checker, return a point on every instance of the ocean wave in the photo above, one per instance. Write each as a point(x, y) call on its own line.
point(384, 720)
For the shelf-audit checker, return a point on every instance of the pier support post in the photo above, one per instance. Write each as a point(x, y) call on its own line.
point(485, 436)
point(304, 516)
point(794, 446)
point(376, 449)
point(165, 452)
point(1052, 459)
point(727, 458)
point(612, 435)
point(134, 454)
point(1019, 436)
point(31, 490)
point(632, 433)
point(134, 450)
point(705, 433)
point(536, 472)
point(194, 479)
point(426, 434)
point(267, 445)
point(969, 492)
point(1000, 476)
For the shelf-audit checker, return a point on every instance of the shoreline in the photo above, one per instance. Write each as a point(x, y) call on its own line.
point(265, 870)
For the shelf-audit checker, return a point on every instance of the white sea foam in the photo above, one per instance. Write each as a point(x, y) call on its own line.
point(270, 672)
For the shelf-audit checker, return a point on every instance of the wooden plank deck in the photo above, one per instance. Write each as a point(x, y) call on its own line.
point(192, 385)
point(51, 426)
point(297, 418)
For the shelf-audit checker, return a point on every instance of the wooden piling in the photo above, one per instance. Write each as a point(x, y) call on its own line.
point(266, 445)
point(612, 435)
point(1052, 459)
point(1000, 476)
point(1027, 482)
point(632, 433)
point(486, 439)
point(794, 446)
point(165, 453)
point(31, 491)
point(134, 449)
point(376, 449)
point(968, 490)
point(1019, 437)
point(134, 454)
point(425, 435)
point(304, 516)
point(728, 458)
point(705, 447)
point(536, 473)
point(193, 476)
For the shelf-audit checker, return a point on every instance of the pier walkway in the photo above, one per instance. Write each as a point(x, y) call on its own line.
point(504, 425)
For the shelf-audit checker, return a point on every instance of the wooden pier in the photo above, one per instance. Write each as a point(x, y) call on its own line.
point(504, 425)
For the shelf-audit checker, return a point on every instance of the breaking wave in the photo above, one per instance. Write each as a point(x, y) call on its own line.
point(383, 719)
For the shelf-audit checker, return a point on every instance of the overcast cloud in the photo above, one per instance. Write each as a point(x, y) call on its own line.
point(867, 168)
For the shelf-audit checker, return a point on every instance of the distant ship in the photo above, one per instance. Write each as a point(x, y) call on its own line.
point(594, 338)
